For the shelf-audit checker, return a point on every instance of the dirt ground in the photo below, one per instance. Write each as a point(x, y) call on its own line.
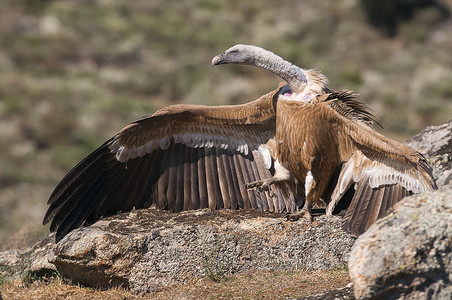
point(256, 285)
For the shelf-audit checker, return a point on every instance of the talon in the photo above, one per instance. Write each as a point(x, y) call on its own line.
point(255, 184)
point(249, 186)
point(302, 214)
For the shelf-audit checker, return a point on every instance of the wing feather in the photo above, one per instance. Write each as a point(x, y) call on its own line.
point(384, 171)
point(393, 161)
point(137, 172)
point(202, 180)
point(385, 201)
point(243, 178)
point(62, 209)
point(80, 211)
point(210, 180)
point(187, 181)
point(223, 176)
point(149, 181)
point(195, 199)
point(111, 176)
point(357, 208)
point(171, 192)
point(216, 173)
point(162, 202)
point(374, 206)
point(79, 170)
point(233, 181)
point(180, 161)
point(267, 201)
point(231, 177)
point(253, 176)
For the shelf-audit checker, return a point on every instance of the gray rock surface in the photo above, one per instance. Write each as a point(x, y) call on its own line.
point(19, 263)
point(147, 249)
point(435, 142)
point(408, 254)
point(345, 293)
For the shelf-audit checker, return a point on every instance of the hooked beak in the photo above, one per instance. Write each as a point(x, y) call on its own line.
point(218, 60)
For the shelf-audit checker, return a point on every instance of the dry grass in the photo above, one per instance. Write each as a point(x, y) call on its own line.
point(59, 290)
point(253, 285)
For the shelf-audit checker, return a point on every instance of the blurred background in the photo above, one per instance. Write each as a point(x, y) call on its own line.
point(72, 73)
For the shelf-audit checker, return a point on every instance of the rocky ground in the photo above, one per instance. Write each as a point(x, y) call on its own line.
point(148, 249)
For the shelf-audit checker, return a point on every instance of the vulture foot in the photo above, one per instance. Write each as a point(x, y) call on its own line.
point(260, 185)
point(264, 185)
point(302, 214)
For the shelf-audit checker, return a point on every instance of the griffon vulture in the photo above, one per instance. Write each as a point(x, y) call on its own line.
point(297, 146)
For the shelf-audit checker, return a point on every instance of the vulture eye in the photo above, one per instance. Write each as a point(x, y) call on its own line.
point(234, 52)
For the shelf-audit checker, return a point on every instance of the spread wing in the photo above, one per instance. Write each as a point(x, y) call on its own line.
point(382, 170)
point(182, 157)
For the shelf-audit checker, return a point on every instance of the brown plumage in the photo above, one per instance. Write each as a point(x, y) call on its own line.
point(181, 157)
point(299, 143)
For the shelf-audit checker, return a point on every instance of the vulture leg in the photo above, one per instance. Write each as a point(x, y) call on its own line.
point(313, 191)
point(282, 174)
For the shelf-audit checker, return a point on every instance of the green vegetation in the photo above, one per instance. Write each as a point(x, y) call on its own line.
point(213, 265)
point(75, 72)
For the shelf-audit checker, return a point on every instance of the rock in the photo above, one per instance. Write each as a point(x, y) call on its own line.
point(345, 293)
point(147, 249)
point(435, 143)
point(408, 254)
point(27, 261)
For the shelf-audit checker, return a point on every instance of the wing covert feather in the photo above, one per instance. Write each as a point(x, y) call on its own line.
point(384, 171)
point(391, 161)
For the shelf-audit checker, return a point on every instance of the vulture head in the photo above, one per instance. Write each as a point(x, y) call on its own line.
point(296, 77)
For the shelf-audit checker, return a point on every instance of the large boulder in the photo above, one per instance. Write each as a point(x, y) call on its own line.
point(407, 254)
point(435, 142)
point(147, 249)
point(26, 262)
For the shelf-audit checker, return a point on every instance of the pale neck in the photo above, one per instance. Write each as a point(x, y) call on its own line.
point(293, 75)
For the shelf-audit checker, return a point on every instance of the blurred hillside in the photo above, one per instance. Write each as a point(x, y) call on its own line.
point(72, 73)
